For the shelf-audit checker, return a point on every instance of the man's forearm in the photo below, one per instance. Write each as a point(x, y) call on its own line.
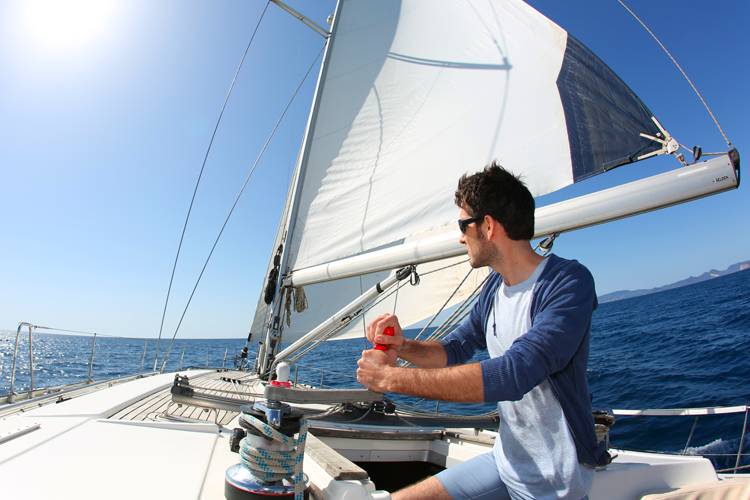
point(461, 383)
point(428, 354)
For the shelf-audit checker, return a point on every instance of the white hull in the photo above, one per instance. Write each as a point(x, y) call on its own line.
point(116, 442)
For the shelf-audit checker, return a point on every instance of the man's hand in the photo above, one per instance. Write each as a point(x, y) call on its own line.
point(373, 369)
point(376, 336)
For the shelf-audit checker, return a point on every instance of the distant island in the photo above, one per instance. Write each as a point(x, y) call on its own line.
point(713, 273)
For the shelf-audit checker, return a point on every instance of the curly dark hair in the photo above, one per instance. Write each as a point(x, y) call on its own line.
point(498, 193)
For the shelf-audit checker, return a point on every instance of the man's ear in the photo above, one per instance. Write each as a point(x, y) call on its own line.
point(494, 228)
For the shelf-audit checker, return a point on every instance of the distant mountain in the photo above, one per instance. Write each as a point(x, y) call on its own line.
point(713, 273)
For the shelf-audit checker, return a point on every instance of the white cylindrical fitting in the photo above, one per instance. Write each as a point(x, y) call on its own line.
point(283, 370)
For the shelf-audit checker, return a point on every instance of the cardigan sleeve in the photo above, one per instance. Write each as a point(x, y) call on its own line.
point(461, 344)
point(557, 332)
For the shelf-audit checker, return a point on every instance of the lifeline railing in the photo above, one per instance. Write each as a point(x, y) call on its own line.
point(697, 413)
point(30, 327)
point(32, 386)
point(15, 356)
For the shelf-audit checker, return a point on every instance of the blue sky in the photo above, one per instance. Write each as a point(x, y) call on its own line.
point(107, 112)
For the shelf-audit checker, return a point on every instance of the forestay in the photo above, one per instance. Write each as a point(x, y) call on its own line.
point(418, 93)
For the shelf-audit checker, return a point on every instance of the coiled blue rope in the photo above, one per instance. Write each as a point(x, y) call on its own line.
point(275, 465)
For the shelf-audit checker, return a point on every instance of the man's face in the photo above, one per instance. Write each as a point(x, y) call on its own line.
point(478, 247)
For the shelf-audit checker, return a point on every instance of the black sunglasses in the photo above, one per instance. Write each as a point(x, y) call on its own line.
point(464, 223)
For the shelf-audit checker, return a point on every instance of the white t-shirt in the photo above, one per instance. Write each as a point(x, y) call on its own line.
point(534, 451)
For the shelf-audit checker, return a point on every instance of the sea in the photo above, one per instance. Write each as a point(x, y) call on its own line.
point(685, 347)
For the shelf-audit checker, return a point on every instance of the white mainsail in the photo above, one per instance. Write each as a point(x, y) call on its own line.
point(412, 98)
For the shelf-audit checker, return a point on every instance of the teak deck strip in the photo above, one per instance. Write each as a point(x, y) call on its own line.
point(335, 464)
point(161, 402)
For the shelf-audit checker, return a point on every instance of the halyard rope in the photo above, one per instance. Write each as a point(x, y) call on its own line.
point(275, 465)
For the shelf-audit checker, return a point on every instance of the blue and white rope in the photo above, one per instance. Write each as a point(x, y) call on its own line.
point(275, 465)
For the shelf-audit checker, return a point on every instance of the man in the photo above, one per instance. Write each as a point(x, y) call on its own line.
point(534, 317)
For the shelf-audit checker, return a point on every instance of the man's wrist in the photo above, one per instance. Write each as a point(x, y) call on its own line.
point(402, 347)
point(389, 377)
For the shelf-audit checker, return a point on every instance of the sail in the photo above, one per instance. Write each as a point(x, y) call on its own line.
point(413, 303)
point(416, 95)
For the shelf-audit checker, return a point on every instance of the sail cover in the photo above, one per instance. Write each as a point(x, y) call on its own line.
point(417, 93)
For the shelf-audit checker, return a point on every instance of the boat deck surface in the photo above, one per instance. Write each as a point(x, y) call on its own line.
point(159, 406)
point(118, 431)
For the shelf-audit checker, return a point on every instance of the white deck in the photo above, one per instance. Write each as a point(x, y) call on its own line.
point(114, 443)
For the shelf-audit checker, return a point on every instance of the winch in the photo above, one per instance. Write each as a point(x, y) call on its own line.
point(271, 457)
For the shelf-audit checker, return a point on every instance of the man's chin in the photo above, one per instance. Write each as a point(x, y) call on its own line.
point(475, 264)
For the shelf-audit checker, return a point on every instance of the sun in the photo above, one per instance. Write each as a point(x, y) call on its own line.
point(67, 24)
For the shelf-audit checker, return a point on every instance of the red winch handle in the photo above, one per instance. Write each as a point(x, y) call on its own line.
point(389, 330)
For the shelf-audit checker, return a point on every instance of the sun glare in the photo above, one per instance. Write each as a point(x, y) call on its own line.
point(67, 24)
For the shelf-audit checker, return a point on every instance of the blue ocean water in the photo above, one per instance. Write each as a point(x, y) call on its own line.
point(686, 347)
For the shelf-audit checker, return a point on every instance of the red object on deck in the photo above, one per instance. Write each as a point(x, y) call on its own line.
point(390, 332)
point(277, 383)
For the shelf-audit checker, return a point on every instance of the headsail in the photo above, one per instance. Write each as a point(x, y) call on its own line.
point(414, 96)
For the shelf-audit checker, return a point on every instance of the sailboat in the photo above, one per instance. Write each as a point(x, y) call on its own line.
point(410, 95)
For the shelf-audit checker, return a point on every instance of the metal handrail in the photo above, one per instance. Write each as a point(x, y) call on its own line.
point(12, 393)
point(674, 412)
point(697, 413)
point(31, 328)
point(33, 390)
point(670, 412)
point(89, 378)
point(143, 357)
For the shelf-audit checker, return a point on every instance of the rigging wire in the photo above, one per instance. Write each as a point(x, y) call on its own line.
point(445, 267)
point(82, 332)
point(316, 343)
point(200, 176)
point(457, 314)
point(364, 321)
point(237, 198)
point(677, 65)
point(456, 317)
point(384, 296)
point(455, 291)
point(395, 303)
point(39, 327)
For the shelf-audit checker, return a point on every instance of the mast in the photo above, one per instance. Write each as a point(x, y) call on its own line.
point(275, 327)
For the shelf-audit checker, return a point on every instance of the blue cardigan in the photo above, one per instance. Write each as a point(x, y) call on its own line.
point(555, 348)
